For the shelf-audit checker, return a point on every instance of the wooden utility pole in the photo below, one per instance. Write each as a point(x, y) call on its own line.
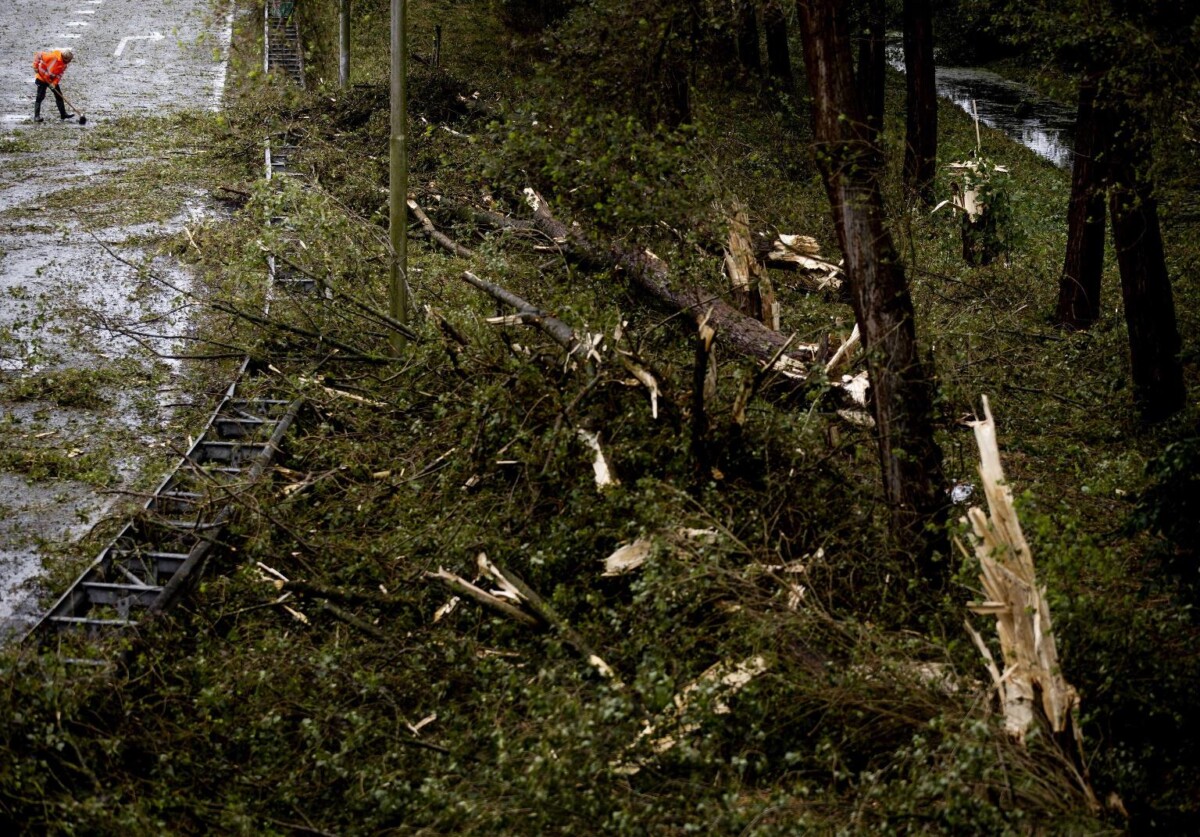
point(343, 44)
point(398, 180)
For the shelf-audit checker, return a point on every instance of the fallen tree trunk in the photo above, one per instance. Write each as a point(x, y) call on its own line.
point(742, 334)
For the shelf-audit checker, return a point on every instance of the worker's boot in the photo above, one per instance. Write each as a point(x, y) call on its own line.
point(37, 112)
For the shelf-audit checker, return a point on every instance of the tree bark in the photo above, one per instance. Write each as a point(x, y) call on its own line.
point(749, 51)
point(872, 66)
point(742, 334)
point(671, 71)
point(920, 148)
point(779, 58)
point(1079, 286)
point(910, 459)
point(1154, 342)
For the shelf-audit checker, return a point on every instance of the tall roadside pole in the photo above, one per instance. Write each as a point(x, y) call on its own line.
point(343, 44)
point(398, 180)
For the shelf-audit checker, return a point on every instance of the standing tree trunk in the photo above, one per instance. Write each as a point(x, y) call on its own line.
point(920, 149)
point(872, 66)
point(903, 394)
point(1154, 342)
point(779, 58)
point(669, 69)
point(1079, 287)
point(749, 51)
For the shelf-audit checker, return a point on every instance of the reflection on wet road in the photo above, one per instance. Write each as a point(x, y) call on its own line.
point(58, 286)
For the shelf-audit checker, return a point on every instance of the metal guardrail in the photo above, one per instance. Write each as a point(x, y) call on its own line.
point(150, 562)
point(145, 567)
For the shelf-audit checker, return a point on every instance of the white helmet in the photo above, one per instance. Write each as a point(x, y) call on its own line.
point(68, 55)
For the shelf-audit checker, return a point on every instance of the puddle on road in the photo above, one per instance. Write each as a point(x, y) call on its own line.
point(63, 300)
point(68, 304)
point(32, 517)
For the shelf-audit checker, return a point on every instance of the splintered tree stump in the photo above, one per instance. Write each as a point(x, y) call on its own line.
point(749, 281)
point(980, 244)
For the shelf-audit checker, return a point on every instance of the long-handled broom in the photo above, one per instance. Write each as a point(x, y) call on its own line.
point(82, 117)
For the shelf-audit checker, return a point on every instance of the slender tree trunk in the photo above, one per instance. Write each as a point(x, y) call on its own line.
point(1079, 287)
point(670, 68)
point(872, 66)
point(779, 58)
point(343, 44)
point(1154, 342)
point(749, 51)
point(920, 150)
point(903, 393)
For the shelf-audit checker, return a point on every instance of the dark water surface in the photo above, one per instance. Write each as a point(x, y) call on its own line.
point(1045, 127)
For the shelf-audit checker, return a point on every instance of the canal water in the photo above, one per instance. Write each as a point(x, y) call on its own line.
point(1045, 127)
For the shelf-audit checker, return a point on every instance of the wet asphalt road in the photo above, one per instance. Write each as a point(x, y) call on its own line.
point(132, 56)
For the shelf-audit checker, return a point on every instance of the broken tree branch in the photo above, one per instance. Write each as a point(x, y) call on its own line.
point(352, 620)
point(704, 387)
point(342, 296)
point(460, 585)
point(440, 237)
point(558, 331)
point(547, 614)
point(334, 594)
point(490, 219)
point(224, 308)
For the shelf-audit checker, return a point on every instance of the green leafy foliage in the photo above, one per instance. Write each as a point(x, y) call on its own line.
point(240, 712)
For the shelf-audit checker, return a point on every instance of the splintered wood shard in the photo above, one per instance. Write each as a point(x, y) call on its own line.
point(604, 477)
point(645, 378)
point(628, 557)
point(1032, 677)
point(748, 277)
point(800, 253)
point(719, 682)
point(844, 351)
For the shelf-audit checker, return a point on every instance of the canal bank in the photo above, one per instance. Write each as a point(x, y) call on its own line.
point(1040, 124)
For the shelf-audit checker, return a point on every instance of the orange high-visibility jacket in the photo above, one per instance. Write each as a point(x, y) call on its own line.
point(49, 66)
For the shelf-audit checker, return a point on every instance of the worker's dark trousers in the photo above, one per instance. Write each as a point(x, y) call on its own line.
point(41, 96)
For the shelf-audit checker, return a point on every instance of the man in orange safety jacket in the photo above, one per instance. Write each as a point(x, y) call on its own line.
point(50, 66)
